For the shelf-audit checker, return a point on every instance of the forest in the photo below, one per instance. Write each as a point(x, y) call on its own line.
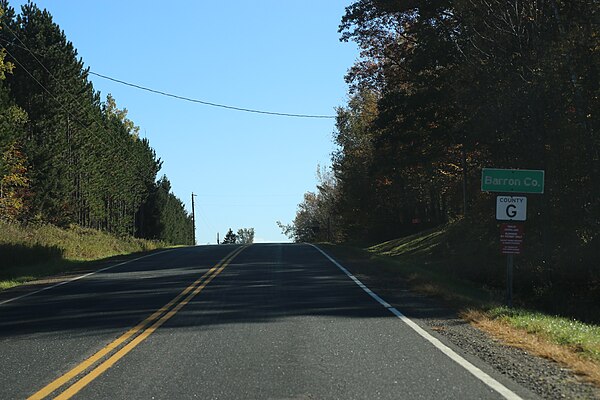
point(444, 88)
point(68, 155)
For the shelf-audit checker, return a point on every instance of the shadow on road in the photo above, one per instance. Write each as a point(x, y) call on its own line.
point(264, 283)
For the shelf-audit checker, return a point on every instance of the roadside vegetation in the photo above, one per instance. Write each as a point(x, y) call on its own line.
point(37, 251)
point(567, 341)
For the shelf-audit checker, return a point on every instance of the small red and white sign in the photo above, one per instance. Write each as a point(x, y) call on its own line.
point(511, 238)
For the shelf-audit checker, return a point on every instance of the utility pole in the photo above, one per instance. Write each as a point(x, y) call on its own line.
point(218, 238)
point(193, 220)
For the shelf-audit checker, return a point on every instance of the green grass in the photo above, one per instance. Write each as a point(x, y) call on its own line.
point(10, 283)
point(583, 338)
point(31, 252)
point(418, 244)
point(419, 261)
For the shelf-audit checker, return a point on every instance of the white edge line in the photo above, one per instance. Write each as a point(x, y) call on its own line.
point(479, 374)
point(81, 277)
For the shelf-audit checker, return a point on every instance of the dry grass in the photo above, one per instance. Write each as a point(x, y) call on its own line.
point(39, 242)
point(568, 356)
point(31, 252)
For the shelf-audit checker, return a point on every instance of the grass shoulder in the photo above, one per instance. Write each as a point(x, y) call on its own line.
point(29, 253)
point(421, 262)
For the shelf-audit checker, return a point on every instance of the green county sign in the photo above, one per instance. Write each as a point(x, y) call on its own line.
point(512, 180)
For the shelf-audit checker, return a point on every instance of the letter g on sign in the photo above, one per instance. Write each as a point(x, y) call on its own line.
point(511, 210)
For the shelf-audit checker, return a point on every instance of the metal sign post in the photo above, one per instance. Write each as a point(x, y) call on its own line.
point(511, 238)
point(509, 279)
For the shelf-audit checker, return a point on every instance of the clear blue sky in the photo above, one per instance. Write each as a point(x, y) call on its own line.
point(248, 170)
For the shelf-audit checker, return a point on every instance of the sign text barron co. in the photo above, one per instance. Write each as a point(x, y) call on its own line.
point(512, 180)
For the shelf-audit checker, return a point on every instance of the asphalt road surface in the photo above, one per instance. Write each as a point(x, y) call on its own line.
point(268, 321)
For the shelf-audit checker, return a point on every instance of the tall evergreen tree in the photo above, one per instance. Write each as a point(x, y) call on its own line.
point(14, 174)
point(51, 85)
point(76, 159)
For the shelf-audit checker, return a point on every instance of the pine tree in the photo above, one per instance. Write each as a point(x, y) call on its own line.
point(14, 176)
point(55, 130)
point(230, 237)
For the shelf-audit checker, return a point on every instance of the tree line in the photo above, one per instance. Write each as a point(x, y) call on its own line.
point(66, 155)
point(243, 236)
point(444, 88)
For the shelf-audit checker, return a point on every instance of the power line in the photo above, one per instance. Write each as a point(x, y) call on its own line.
point(208, 103)
point(175, 96)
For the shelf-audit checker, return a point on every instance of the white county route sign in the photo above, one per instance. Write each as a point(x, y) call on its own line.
point(511, 208)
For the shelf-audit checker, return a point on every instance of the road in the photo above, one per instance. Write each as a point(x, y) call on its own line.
point(268, 321)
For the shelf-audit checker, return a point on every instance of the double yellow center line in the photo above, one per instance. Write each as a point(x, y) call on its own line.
point(139, 333)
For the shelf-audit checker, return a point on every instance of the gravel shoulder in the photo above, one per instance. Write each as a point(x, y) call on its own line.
point(545, 378)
